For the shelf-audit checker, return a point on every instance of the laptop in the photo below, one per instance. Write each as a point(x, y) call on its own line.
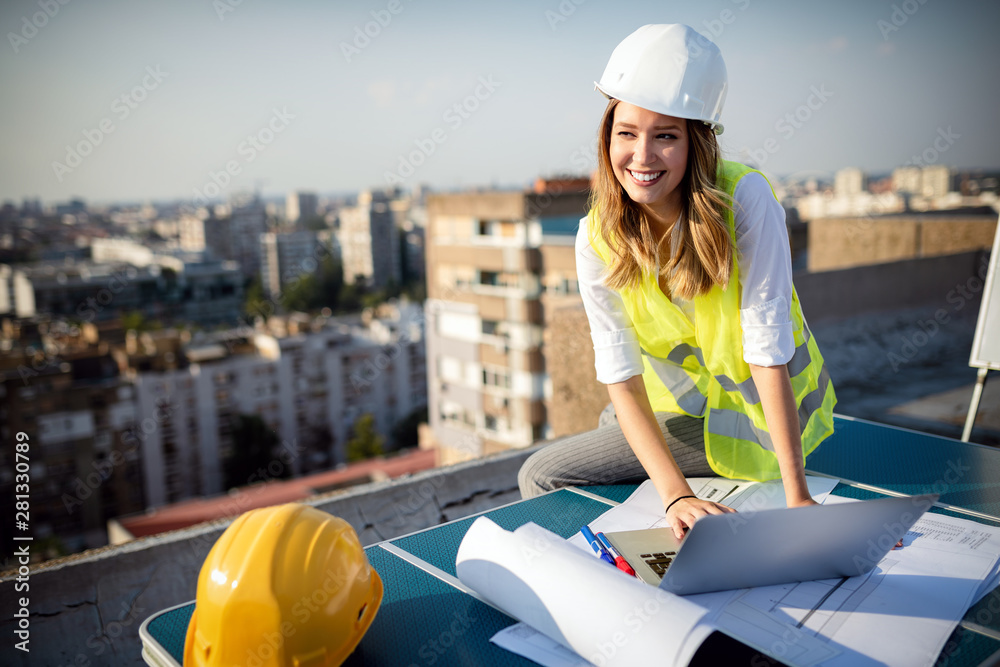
point(778, 546)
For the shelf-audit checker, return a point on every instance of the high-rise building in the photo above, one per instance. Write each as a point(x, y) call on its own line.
point(229, 231)
point(491, 258)
point(850, 181)
point(286, 257)
point(369, 241)
point(300, 206)
point(16, 294)
point(936, 181)
point(907, 180)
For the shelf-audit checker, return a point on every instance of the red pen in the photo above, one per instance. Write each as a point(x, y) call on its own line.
point(619, 561)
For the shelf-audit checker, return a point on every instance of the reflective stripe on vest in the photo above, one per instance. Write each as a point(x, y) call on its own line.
point(694, 369)
point(733, 424)
point(679, 384)
point(748, 389)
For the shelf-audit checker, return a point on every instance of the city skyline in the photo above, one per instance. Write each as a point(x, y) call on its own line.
point(202, 100)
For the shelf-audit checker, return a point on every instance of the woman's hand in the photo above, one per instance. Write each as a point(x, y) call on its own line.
point(685, 512)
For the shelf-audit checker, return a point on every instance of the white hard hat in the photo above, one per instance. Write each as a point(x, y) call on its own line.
point(670, 69)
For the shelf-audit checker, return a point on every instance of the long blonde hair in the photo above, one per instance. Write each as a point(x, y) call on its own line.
point(698, 249)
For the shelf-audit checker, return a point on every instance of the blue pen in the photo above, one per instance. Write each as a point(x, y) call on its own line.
point(596, 545)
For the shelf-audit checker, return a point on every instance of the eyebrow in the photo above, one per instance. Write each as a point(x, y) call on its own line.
point(658, 127)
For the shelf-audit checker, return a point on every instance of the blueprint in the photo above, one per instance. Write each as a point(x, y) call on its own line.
point(900, 613)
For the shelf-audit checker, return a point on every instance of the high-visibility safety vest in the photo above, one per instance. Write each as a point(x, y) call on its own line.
point(698, 368)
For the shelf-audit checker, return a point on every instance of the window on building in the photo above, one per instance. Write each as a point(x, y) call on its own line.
point(498, 279)
point(496, 377)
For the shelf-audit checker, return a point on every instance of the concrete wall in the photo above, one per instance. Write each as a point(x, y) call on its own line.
point(577, 397)
point(910, 283)
point(838, 243)
point(86, 609)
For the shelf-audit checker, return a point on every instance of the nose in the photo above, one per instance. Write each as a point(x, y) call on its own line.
point(642, 152)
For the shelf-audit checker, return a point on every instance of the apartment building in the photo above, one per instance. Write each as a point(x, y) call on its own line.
point(493, 260)
point(181, 287)
point(310, 387)
point(76, 410)
point(300, 206)
point(286, 257)
point(231, 231)
point(369, 240)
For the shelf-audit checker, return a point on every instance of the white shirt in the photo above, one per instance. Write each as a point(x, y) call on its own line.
point(765, 273)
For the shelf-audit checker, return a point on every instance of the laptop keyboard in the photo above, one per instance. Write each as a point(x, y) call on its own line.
point(658, 562)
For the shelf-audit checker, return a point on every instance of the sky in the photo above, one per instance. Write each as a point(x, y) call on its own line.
point(148, 101)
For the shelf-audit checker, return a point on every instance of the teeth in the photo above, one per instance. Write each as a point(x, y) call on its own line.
point(645, 176)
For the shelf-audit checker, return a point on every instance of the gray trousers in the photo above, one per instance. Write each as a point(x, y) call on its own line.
point(603, 456)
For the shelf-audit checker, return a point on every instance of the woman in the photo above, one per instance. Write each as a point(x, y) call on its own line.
point(685, 273)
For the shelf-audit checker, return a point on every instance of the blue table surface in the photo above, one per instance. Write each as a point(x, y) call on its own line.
point(423, 620)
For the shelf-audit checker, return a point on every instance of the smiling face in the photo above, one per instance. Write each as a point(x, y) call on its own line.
point(648, 153)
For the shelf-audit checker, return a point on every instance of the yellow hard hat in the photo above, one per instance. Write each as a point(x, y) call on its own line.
point(285, 585)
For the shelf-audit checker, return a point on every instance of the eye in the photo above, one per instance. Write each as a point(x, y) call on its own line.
point(624, 133)
point(666, 135)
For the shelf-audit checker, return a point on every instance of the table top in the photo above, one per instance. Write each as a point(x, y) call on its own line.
point(428, 617)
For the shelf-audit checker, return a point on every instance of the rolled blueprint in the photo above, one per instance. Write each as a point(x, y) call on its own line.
point(588, 606)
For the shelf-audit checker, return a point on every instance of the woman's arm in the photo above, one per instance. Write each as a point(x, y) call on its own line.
point(782, 418)
point(638, 424)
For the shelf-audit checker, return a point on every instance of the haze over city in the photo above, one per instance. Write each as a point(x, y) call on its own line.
point(126, 102)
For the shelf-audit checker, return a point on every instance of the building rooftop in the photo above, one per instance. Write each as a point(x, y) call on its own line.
point(200, 510)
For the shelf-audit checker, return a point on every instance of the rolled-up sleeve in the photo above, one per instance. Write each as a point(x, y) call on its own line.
point(617, 355)
point(765, 266)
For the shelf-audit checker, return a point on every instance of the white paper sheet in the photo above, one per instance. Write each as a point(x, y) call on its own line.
point(595, 610)
point(902, 613)
point(529, 643)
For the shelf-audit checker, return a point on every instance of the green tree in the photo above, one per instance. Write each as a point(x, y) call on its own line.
point(313, 291)
point(301, 294)
point(133, 319)
point(404, 433)
point(315, 223)
point(255, 451)
point(365, 443)
point(254, 301)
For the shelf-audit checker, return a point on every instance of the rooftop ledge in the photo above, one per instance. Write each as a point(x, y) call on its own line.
point(86, 609)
